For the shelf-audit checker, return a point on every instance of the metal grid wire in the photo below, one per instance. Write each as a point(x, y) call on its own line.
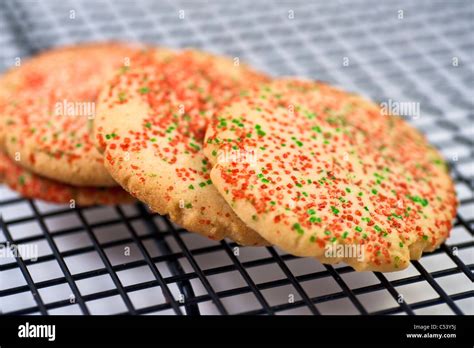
point(114, 260)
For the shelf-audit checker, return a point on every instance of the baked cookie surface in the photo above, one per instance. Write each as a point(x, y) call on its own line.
point(320, 172)
point(36, 187)
point(46, 105)
point(150, 124)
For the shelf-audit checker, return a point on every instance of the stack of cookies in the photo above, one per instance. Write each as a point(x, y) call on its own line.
point(225, 152)
point(46, 106)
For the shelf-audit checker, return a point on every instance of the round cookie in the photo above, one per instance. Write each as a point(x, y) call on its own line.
point(329, 176)
point(35, 187)
point(151, 122)
point(46, 105)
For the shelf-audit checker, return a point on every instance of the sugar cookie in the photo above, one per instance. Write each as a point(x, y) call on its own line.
point(35, 187)
point(150, 124)
point(46, 105)
point(331, 177)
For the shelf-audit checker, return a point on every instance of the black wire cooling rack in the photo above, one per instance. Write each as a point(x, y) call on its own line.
point(124, 259)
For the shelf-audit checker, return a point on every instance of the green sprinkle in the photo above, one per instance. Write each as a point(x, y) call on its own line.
point(191, 187)
point(148, 125)
point(144, 90)
point(202, 184)
point(419, 200)
point(298, 228)
point(425, 237)
point(122, 96)
point(377, 228)
point(262, 178)
point(374, 191)
point(169, 129)
point(312, 239)
point(188, 205)
point(358, 229)
point(21, 180)
point(314, 219)
point(261, 133)
point(222, 123)
point(378, 176)
point(345, 234)
point(297, 142)
point(401, 244)
point(348, 190)
point(311, 211)
point(334, 210)
point(194, 146)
